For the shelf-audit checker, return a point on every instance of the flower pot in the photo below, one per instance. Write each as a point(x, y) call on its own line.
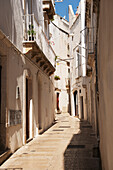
point(29, 38)
point(32, 38)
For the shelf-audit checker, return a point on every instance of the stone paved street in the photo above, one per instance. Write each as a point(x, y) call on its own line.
point(70, 144)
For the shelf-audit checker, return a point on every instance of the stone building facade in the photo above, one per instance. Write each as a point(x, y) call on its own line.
point(59, 29)
point(105, 80)
point(26, 71)
point(99, 67)
point(78, 77)
point(91, 47)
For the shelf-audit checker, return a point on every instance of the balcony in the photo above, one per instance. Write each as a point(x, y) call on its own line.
point(78, 64)
point(48, 6)
point(36, 46)
point(90, 45)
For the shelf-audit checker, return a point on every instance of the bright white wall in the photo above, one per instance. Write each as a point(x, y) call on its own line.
point(59, 41)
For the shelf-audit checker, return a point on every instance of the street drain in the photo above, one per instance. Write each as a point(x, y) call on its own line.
point(64, 126)
point(58, 130)
point(88, 126)
point(76, 146)
point(25, 153)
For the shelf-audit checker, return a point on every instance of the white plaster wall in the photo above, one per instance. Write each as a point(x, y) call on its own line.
point(11, 23)
point(75, 31)
point(59, 41)
point(77, 42)
point(16, 66)
point(11, 20)
point(38, 11)
point(105, 75)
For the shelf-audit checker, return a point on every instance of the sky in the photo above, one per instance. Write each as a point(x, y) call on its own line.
point(62, 7)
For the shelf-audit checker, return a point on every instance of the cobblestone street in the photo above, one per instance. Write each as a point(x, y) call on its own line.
point(69, 144)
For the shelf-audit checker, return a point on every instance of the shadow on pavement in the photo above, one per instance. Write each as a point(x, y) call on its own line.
point(83, 151)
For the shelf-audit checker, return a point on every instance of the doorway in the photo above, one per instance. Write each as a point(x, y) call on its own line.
point(76, 103)
point(39, 104)
point(28, 106)
point(58, 102)
point(82, 107)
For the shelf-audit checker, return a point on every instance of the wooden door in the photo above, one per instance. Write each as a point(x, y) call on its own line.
point(28, 98)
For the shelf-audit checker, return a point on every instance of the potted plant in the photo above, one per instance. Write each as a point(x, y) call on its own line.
point(57, 77)
point(31, 33)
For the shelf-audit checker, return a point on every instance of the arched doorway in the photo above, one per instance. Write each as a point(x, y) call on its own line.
point(76, 102)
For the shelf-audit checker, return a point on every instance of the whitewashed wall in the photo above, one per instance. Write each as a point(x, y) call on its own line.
point(59, 42)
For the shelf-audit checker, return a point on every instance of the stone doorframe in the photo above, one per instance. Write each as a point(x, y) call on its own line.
point(26, 74)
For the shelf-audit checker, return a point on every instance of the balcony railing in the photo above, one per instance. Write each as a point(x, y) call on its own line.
point(32, 31)
point(89, 37)
point(90, 40)
point(78, 61)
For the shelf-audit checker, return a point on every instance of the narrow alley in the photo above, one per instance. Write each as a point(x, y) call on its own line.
point(70, 144)
point(56, 85)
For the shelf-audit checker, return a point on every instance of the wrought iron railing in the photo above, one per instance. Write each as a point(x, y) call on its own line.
point(78, 60)
point(89, 37)
point(32, 31)
point(90, 40)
